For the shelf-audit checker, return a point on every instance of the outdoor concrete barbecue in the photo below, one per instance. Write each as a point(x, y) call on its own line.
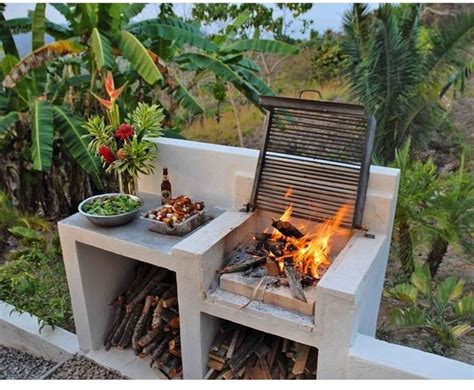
point(338, 306)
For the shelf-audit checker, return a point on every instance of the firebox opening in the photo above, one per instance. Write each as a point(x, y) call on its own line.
point(239, 352)
point(282, 260)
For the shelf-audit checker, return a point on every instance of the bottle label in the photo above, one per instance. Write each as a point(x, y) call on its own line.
point(165, 195)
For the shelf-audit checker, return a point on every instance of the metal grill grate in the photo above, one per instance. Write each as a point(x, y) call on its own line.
point(321, 151)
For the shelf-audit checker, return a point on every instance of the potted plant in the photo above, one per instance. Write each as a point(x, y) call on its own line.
point(123, 145)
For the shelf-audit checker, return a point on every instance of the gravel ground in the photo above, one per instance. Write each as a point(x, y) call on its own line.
point(81, 368)
point(15, 364)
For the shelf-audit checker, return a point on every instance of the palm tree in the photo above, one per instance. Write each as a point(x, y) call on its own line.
point(397, 69)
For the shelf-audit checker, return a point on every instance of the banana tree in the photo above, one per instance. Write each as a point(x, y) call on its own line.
point(224, 57)
point(36, 120)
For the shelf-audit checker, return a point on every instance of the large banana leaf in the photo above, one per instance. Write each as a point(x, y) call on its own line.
point(132, 49)
point(263, 46)
point(23, 25)
point(102, 49)
point(130, 11)
point(110, 17)
point(255, 81)
point(182, 95)
point(6, 37)
point(42, 133)
point(6, 121)
point(207, 63)
point(38, 30)
point(74, 137)
point(38, 27)
point(155, 29)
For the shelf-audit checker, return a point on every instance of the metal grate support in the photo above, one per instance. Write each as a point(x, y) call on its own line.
point(319, 150)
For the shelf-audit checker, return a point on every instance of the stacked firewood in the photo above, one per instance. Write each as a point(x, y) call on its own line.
point(147, 319)
point(242, 353)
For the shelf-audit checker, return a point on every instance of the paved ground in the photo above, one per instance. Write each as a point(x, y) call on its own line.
point(15, 364)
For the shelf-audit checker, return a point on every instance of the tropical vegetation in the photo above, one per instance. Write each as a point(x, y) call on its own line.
point(66, 130)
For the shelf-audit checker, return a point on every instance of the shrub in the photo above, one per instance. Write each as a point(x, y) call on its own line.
point(443, 309)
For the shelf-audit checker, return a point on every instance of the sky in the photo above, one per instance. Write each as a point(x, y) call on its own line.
point(324, 15)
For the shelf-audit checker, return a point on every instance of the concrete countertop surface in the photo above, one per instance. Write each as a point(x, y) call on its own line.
point(135, 232)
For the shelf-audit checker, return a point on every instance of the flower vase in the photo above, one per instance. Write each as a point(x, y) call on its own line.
point(127, 183)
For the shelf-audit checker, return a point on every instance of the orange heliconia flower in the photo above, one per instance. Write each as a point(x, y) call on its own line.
point(111, 91)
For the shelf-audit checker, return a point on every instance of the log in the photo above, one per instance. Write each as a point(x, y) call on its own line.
point(140, 274)
point(300, 359)
point(146, 279)
point(245, 265)
point(273, 350)
point(170, 302)
point(126, 338)
point(265, 370)
point(174, 367)
point(157, 278)
point(175, 344)
point(157, 319)
point(150, 336)
point(215, 365)
point(286, 228)
point(149, 349)
point(142, 322)
point(294, 282)
point(312, 362)
point(164, 360)
point(119, 313)
point(209, 373)
point(248, 348)
point(119, 331)
point(262, 351)
point(160, 350)
point(233, 343)
point(250, 363)
point(272, 267)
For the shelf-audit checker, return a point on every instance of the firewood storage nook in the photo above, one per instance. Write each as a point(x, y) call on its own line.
point(315, 159)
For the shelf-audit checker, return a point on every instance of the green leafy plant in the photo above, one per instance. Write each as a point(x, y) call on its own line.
point(34, 281)
point(443, 309)
point(417, 192)
point(329, 58)
point(397, 71)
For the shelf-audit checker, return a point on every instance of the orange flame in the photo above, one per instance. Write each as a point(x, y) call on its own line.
point(311, 253)
point(314, 250)
point(289, 192)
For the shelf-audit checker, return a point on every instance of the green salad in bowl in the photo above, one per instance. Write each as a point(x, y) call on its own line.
point(111, 209)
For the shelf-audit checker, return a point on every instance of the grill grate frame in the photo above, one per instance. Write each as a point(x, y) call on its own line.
point(322, 150)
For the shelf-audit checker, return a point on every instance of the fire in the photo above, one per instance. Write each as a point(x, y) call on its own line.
point(276, 235)
point(289, 192)
point(313, 250)
point(310, 254)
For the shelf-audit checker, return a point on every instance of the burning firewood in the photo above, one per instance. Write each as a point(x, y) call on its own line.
point(259, 356)
point(242, 266)
point(286, 228)
point(294, 281)
point(147, 319)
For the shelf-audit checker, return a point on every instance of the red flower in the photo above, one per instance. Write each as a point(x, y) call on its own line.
point(107, 154)
point(124, 131)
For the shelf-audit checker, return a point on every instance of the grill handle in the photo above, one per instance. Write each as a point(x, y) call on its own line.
point(310, 90)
